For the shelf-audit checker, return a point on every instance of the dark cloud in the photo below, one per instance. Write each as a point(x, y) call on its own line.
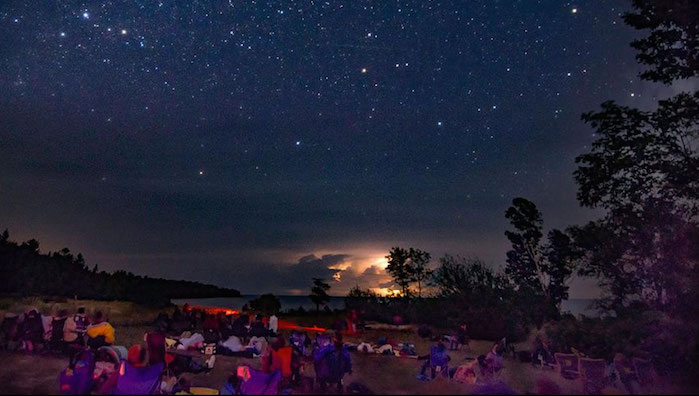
point(256, 143)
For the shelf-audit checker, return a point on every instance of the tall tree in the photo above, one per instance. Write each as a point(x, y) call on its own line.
point(642, 171)
point(421, 272)
point(400, 267)
point(535, 267)
point(267, 304)
point(672, 47)
point(467, 277)
point(319, 293)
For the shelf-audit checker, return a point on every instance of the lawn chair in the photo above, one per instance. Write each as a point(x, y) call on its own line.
point(138, 380)
point(645, 372)
point(625, 372)
point(466, 373)
point(593, 373)
point(254, 382)
point(567, 365)
point(439, 362)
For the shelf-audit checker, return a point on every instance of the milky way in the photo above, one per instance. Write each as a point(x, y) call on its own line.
point(214, 140)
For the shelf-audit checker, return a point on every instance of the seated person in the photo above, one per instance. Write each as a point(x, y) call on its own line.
point(9, 331)
point(437, 361)
point(332, 363)
point(136, 376)
point(240, 329)
point(542, 354)
point(284, 359)
point(462, 336)
point(75, 327)
point(225, 325)
point(155, 346)
point(211, 329)
point(258, 328)
point(100, 332)
point(31, 330)
point(57, 325)
point(492, 363)
point(273, 325)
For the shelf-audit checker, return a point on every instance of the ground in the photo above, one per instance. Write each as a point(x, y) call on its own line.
point(38, 374)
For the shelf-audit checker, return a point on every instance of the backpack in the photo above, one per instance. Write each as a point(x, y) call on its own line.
point(80, 323)
point(57, 330)
point(77, 378)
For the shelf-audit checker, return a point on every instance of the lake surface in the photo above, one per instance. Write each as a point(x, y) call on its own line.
point(574, 306)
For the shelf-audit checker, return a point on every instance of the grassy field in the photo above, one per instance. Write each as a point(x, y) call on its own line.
point(38, 374)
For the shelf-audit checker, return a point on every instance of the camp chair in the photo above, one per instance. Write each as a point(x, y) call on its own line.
point(645, 372)
point(625, 372)
point(138, 380)
point(56, 342)
point(439, 361)
point(107, 361)
point(593, 373)
point(254, 382)
point(567, 365)
point(466, 373)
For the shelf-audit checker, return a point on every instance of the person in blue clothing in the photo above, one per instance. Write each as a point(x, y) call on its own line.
point(437, 361)
point(331, 363)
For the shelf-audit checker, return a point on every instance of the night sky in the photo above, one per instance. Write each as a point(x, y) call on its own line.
point(257, 144)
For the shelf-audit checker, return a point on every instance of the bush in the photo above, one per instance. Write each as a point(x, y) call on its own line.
point(668, 342)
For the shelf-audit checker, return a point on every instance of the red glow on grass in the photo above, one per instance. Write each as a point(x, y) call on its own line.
point(283, 324)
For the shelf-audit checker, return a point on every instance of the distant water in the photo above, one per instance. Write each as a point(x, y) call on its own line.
point(575, 306)
point(578, 306)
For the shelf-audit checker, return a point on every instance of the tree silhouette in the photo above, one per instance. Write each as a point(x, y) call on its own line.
point(541, 269)
point(419, 268)
point(25, 271)
point(672, 47)
point(642, 170)
point(400, 268)
point(319, 293)
point(267, 304)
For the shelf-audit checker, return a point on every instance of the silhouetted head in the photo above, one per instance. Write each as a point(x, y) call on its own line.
point(99, 317)
point(138, 356)
point(278, 343)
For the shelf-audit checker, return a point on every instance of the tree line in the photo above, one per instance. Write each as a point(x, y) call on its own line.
point(25, 271)
point(642, 171)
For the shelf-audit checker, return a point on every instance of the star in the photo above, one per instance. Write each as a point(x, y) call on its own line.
point(439, 123)
point(363, 70)
point(123, 31)
point(574, 11)
point(201, 173)
point(86, 15)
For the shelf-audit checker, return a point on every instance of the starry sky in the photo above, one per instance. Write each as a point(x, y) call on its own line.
point(257, 144)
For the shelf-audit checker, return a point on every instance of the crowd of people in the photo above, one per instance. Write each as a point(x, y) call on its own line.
point(187, 340)
point(30, 331)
